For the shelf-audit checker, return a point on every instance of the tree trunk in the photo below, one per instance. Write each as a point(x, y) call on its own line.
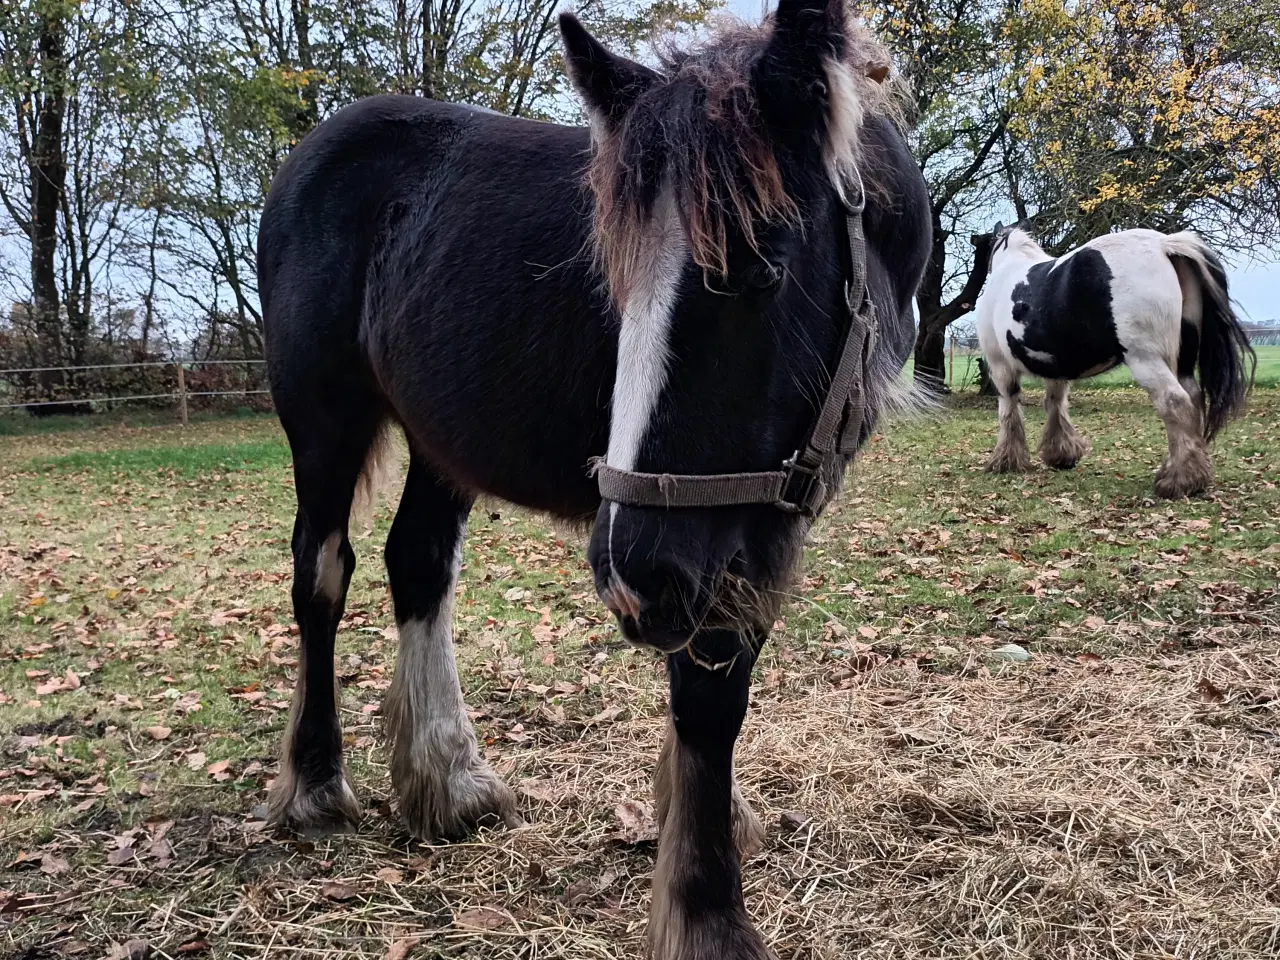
point(935, 316)
point(930, 364)
point(48, 179)
point(309, 116)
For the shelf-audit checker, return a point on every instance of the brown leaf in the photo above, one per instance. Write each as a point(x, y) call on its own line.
point(219, 770)
point(537, 790)
point(193, 946)
point(130, 950)
point(390, 875)
point(793, 821)
point(483, 918)
point(402, 948)
point(223, 617)
point(71, 681)
point(577, 892)
point(914, 737)
point(196, 760)
point(158, 732)
point(1210, 692)
point(122, 854)
point(638, 825)
point(334, 890)
point(160, 850)
point(53, 865)
point(56, 685)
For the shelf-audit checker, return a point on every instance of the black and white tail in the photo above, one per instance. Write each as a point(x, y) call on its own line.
point(1226, 359)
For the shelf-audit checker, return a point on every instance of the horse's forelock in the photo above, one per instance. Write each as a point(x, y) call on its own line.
point(701, 135)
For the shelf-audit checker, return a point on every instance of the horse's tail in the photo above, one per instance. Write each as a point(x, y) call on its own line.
point(1226, 359)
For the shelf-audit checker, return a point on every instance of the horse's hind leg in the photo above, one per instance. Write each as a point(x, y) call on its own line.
point(1187, 470)
point(1010, 454)
point(1061, 444)
point(445, 787)
point(311, 792)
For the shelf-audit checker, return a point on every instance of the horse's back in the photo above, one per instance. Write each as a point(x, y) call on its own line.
point(1080, 314)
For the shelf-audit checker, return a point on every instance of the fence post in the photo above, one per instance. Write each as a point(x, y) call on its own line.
point(951, 367)
point(182, 393)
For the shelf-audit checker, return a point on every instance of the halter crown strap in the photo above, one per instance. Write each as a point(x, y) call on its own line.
point(799, 487)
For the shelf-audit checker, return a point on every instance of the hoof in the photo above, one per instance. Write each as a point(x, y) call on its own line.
point(448, 803)
point(748, 831)
point(1189, 477)
point(715, 936)
point(308, 809)
point(1064, 452)
point(1006, 462)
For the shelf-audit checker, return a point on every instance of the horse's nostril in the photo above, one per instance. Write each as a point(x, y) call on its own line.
point(622, 600)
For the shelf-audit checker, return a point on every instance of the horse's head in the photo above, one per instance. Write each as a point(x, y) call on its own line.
point(1015, 239)
point(720, 233)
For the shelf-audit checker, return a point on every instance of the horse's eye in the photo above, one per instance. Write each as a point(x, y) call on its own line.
point(761, 276)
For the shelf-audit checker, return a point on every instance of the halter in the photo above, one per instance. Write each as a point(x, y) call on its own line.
point(798, 487)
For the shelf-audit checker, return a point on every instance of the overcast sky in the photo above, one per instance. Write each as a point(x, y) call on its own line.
point(1256, 287)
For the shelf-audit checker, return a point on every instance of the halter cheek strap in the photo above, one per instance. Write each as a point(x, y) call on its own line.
point(800, 485)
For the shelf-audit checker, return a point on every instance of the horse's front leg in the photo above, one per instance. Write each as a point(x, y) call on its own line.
point(1010, 454)
point(697, 911)
point(1061, 445)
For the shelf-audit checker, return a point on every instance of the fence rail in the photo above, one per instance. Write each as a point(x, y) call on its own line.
point(181, 395)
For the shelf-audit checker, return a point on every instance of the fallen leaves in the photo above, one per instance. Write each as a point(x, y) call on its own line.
point(401, 948)
point(484, 918)
point(158, 732)
point(637, 822)
point(53, 865)
point(337, 890)
point(1210, 691)
point(68, 681)
point(792, 820)
point(224, 617)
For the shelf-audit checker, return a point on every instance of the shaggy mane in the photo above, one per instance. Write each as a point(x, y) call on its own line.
point(701, 132)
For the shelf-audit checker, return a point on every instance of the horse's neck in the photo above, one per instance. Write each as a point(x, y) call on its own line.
point(1023, 247)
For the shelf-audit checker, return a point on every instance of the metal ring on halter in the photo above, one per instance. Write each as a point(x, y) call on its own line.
point(851, 208)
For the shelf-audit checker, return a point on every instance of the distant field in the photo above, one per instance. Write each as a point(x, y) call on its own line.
point(965, 374)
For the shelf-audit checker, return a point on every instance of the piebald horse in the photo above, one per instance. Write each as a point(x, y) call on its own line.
point(1155, 302)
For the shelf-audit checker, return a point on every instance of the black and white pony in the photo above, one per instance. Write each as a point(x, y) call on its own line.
point(1155, 302)
point(665, 291)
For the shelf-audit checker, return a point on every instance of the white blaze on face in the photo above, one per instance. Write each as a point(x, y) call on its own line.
point(644, 337)
point(643, 345)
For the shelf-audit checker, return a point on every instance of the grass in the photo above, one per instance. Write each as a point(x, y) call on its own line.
point(1114, 796)
point(963, 373)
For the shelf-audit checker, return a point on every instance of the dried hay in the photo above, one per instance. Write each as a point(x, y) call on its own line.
point(1124, 809)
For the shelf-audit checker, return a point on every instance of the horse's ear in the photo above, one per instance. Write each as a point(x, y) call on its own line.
point(792, 80)
point(805, 32)
point(996, 230)
point(608, 84)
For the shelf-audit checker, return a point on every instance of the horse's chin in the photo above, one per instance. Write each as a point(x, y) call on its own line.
point(646, 636)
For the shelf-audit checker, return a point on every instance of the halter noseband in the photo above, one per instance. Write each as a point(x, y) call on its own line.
point(799, 486)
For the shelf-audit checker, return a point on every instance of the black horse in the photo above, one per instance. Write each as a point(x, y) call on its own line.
point(662, 294)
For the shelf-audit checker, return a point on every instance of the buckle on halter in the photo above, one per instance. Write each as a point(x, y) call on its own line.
point(802, 488)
